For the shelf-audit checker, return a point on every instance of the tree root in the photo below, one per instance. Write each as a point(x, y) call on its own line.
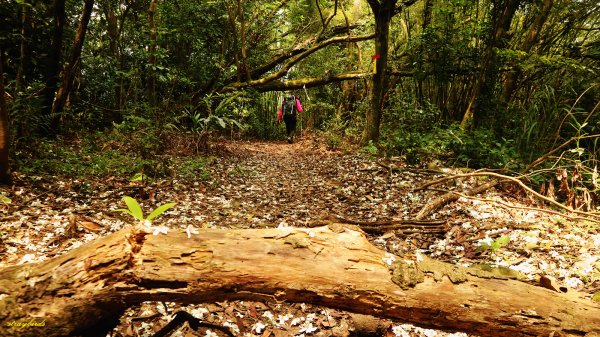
point(405, 226)
point(446, 198)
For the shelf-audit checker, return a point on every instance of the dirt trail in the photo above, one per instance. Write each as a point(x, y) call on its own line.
point(266, 184)
point(301, 182)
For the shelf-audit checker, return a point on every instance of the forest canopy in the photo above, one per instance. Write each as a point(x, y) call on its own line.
point(491, 83)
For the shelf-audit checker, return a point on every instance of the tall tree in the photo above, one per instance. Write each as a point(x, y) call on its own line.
point(53, 64)
point(152, 52)
point(531, 38)
point(4, 127)
point(502, 16)
point(69, 70)
point(23, 54)
point(383, 10)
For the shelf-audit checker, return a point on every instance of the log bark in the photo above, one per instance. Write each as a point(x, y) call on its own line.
point(84, 291)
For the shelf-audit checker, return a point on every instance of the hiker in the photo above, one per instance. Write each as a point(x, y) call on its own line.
point(288, 111)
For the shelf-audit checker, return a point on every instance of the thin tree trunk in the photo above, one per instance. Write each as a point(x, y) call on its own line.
point(69, 70)
point(4, 127)
point(531, 39)
point(152, 53)
point(53, 65)
point(23, 50)
point(349, 89)
point(246, 69)
point(85, 291)
point(231, 12)
point(502, 18)
point(112, 27)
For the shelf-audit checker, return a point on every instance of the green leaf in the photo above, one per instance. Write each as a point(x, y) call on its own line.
point(503, 240)
point(134, 208)
point(5, 199)
point(220, 121)
point(596, 297)
point(139, 177)
point(160, 210)
point(124, 211)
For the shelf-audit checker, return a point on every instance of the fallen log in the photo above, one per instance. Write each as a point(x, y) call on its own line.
point(85, 291)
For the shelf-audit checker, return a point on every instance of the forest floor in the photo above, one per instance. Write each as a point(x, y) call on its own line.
point(270, 184)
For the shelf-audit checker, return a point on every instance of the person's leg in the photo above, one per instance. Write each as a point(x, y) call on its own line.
point(288, 127)
point(292, 133)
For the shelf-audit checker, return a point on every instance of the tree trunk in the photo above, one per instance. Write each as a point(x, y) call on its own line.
point(69, 70)
point(112, 28)
point(502, 17)
point(383, 15)
point(349, 90)
point(23, 56)
point(246, 70)
point(152, 53)
point(83, 292)
point(4, 128)
point(531, 39)
point(52, 70)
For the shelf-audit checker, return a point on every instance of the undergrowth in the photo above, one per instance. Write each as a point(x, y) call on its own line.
point(126, 155)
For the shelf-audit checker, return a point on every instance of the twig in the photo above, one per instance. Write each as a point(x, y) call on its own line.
point(181, 317)
point(442, 179)
point(527, 208)
point(553, 151)
point(405, 229)
point(398, 222)
point(396, 169)
point(442, 200)
point(505, 178)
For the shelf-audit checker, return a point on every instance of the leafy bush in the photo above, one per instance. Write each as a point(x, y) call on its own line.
point(262, 116)
point(370, 149)
point(417, 147)
point(56, 158)
point(481, 148)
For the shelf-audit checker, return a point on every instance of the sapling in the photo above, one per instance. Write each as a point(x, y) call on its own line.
point(135, 210)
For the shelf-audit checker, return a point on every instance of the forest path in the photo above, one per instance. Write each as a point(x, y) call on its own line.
point(257, 184)
point(302, 182)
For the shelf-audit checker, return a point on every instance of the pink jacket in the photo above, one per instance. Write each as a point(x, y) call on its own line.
point(280, 112)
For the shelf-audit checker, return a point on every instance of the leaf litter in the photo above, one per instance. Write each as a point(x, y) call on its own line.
point(271, 184)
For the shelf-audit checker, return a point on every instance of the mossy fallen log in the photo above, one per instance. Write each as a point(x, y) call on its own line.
point(85, 291)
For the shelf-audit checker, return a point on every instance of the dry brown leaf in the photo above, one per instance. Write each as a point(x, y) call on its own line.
point(549, 282)
point(91, 226)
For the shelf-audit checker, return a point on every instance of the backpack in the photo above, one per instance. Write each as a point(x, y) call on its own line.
point(289, 106)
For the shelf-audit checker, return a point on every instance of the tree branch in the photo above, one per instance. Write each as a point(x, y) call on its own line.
point(310, 82)
point(287, 66)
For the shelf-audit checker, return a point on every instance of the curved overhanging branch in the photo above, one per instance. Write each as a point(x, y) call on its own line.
point(310, 82)
point(318, 81)
point(293, 61)
point(86, 290)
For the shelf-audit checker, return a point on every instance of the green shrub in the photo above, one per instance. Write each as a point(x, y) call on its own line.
point(482, 148)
